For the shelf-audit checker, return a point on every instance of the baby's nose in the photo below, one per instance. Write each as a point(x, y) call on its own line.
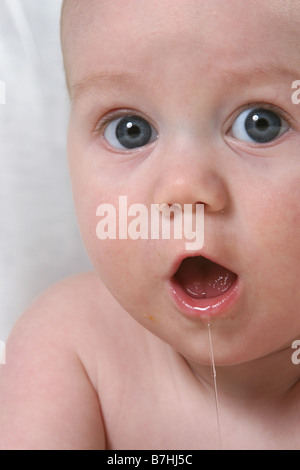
point(190, 179)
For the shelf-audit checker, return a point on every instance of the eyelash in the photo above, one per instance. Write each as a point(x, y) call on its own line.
point(117, 114)
point(261, 104)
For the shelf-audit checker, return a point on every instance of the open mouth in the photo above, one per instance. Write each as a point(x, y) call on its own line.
point(201, 278)
point(202, 286)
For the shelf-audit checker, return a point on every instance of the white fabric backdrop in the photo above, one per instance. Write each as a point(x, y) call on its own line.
point(39, 238)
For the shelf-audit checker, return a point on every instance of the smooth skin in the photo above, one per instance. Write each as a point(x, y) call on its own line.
point(106, 359)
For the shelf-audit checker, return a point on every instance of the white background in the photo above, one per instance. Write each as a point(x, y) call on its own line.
point(39, 239)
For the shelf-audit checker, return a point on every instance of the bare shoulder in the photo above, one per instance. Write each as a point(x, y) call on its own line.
point(47, 395)
point(71, 359)
point(69, 314)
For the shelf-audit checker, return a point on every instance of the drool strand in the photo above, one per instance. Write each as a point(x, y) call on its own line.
point(214, 374)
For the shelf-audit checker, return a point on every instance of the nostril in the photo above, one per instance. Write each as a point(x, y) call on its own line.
point(170, 210)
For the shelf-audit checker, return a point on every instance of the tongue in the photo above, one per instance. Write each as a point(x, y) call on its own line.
point(201, 278)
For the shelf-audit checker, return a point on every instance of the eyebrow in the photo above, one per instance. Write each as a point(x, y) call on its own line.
point(100, 81)
point(268, 70)
point(105, 80)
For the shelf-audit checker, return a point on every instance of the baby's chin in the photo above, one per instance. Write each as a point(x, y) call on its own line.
point(231, 345)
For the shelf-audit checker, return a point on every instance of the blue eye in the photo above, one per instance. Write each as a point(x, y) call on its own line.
point(258, 125)
point(129, 132)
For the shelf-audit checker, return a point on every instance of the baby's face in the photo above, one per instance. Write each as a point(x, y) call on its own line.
point(186, 102)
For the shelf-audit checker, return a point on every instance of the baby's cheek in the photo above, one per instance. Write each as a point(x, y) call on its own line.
point(275, 247)
point(282, 223)
point(273, 219)
point(118, 263)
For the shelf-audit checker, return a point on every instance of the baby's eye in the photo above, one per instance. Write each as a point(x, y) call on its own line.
point(129, 132)
point(258, 125)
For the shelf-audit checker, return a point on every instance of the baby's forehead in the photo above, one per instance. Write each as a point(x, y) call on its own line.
point(83, 22)
point(76, 12)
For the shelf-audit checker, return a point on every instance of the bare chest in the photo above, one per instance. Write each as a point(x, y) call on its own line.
point(155, 410)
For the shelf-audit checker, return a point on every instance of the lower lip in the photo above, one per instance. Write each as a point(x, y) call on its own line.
point(204, 308)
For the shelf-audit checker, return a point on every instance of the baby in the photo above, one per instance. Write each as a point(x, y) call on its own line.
point(182, 104)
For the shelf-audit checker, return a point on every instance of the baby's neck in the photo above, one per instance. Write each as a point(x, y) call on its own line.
point(267, 380)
